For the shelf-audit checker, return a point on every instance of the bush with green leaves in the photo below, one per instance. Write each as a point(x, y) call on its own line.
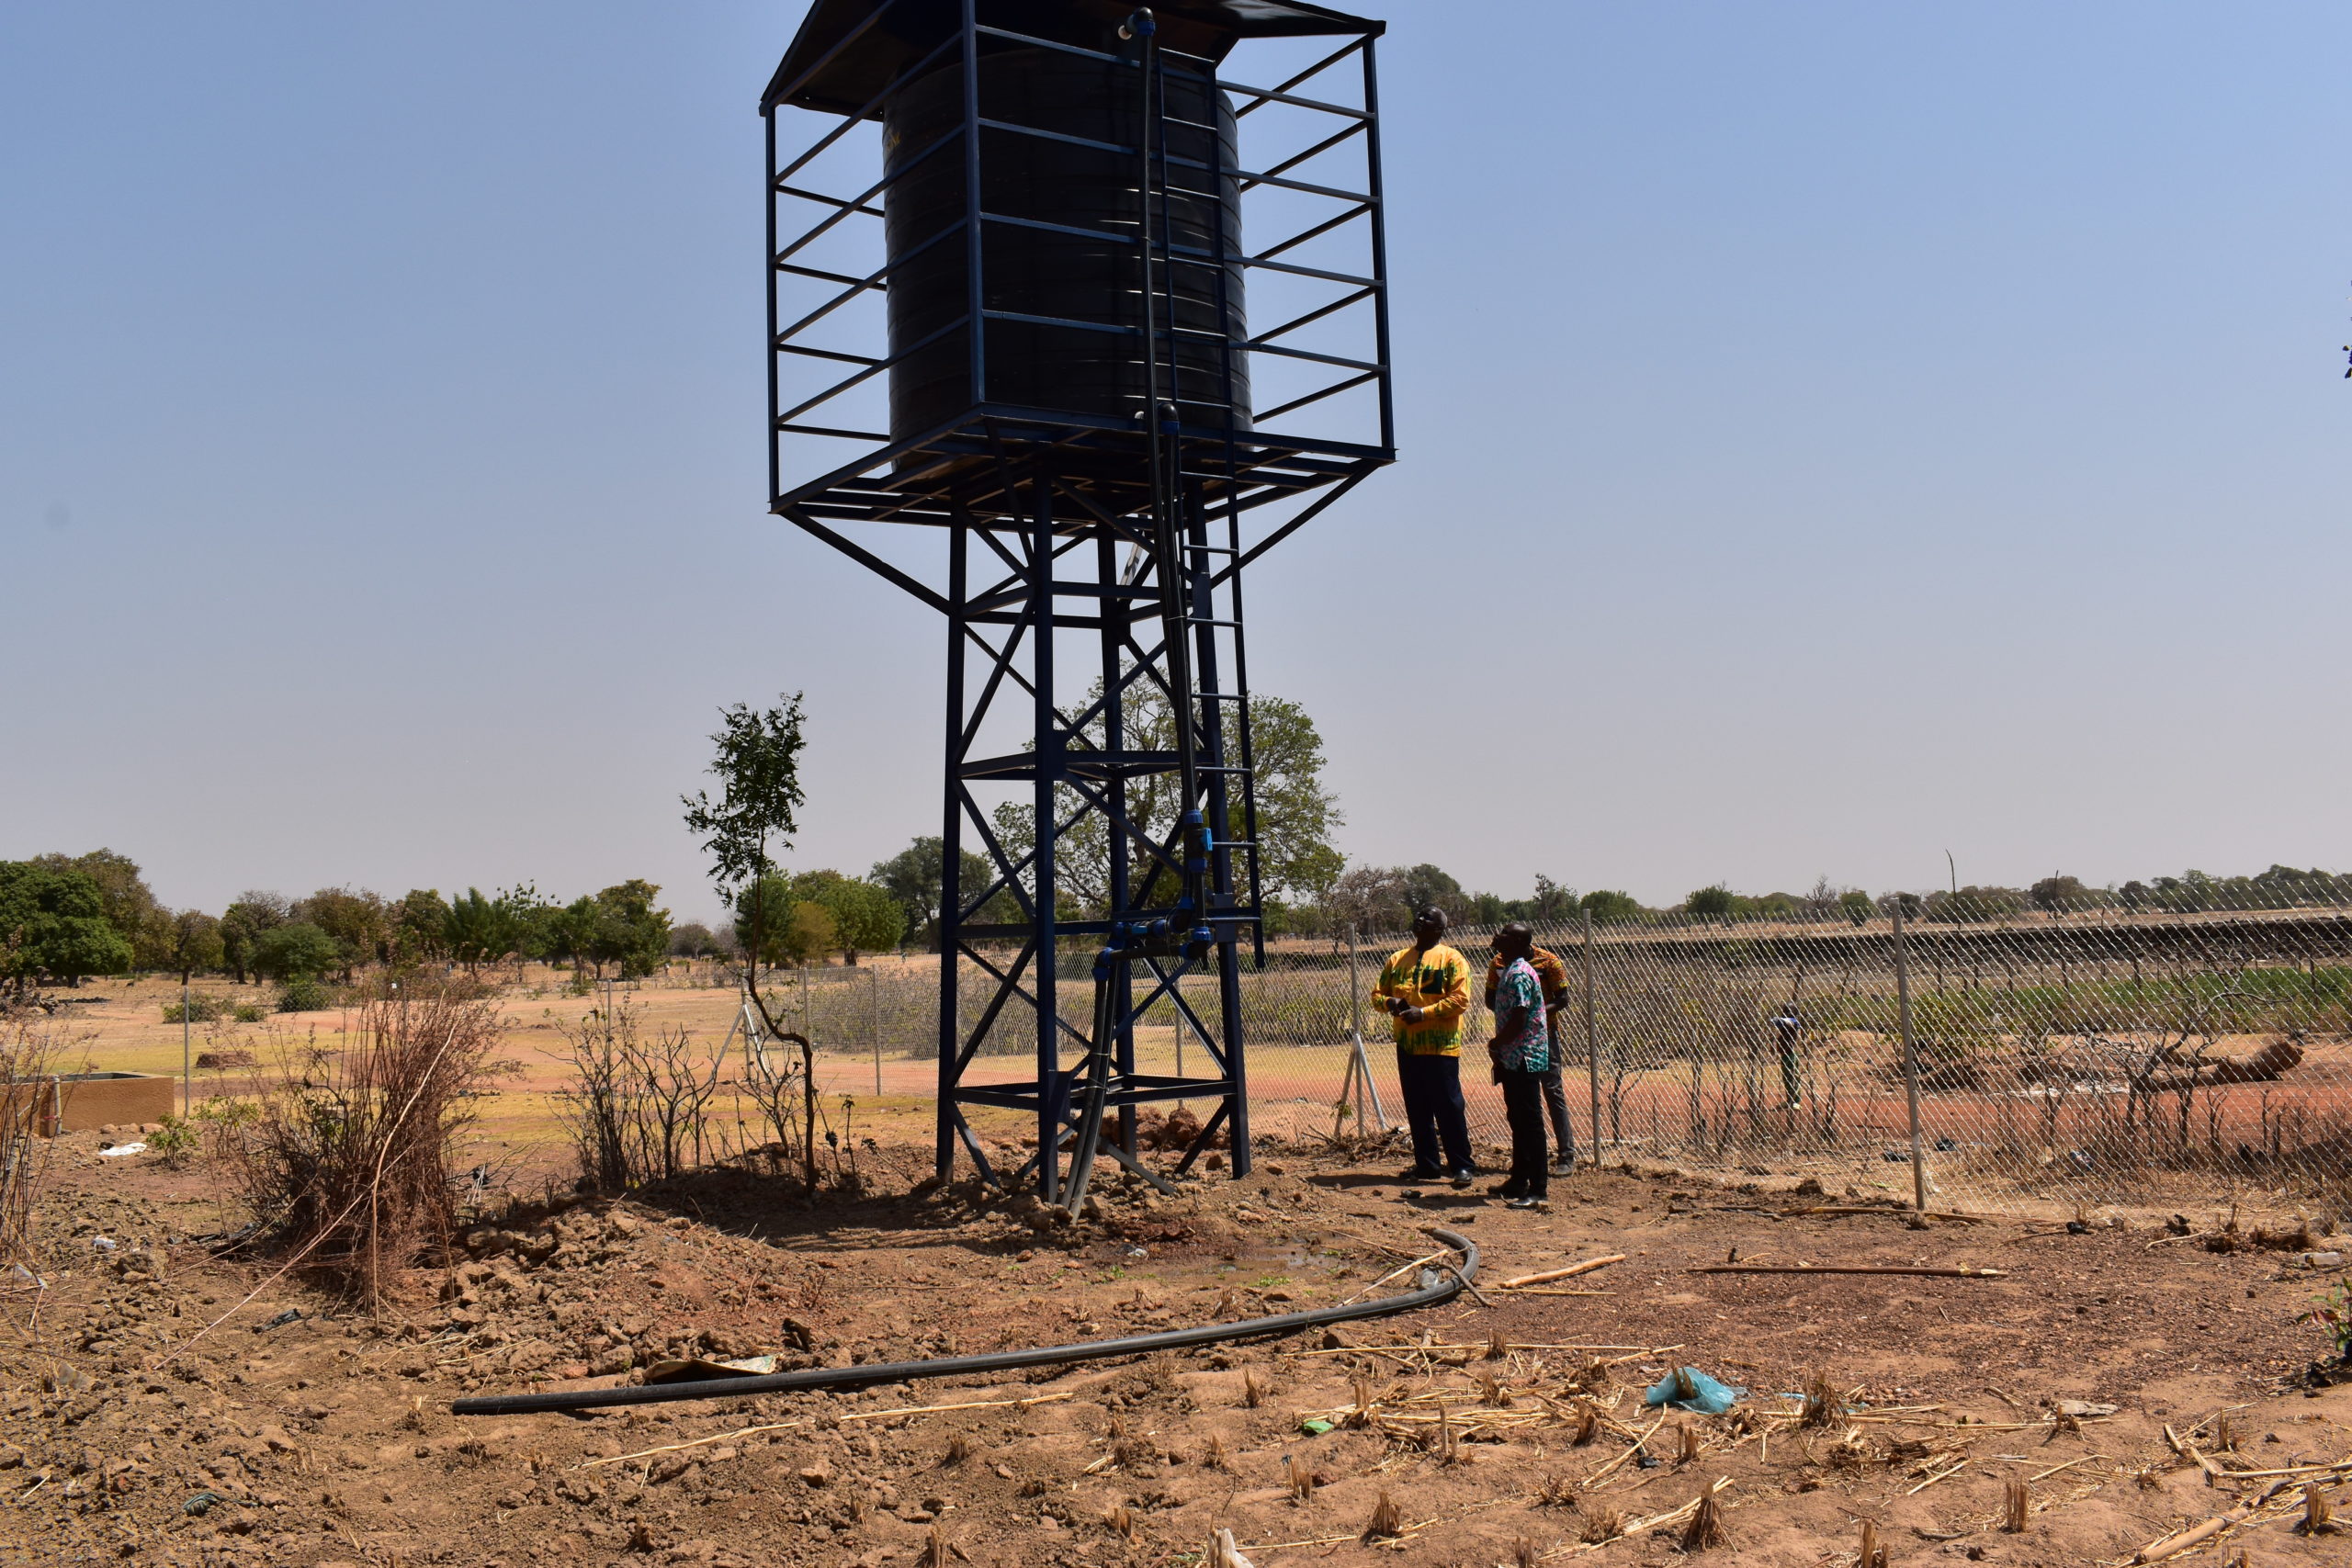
point(304, 993)
point(2334, 1311)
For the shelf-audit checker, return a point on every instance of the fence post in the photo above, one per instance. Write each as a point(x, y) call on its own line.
point(1591, 1040)
point(1910, 1061)
point(1359, 1062)
point(874, 1024)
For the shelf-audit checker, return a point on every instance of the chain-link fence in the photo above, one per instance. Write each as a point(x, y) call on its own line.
point(2062, 1058)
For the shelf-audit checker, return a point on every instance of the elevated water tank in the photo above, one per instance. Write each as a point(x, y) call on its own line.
point(1053, 272)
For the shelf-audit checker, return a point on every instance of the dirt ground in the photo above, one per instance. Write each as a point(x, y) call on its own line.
point(166, 1403)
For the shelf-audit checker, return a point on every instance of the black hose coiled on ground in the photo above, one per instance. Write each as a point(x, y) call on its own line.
point(1433, 1292)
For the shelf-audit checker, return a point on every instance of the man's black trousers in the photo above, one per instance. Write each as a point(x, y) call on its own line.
point(1433, 1107)
point(1523, 1107)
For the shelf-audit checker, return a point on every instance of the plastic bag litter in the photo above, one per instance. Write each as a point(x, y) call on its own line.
point(1708, 1397)
point(122, 1149)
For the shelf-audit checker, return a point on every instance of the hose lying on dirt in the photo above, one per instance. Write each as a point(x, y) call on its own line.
point(1434, 1290)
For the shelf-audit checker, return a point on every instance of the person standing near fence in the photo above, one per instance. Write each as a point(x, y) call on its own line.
point(1789, 1026)
point(1425, 989)
point(1521, 1052)
point(1553, 976)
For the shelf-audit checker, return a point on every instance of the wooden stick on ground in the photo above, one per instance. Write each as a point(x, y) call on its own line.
point(1570, 1272)
point(2195, 1535)
point(847, 1416)
point(1938, 1272)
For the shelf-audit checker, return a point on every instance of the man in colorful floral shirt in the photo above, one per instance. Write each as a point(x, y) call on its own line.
point(1553, 975)
point(1426, 987)
point(1521, 1052)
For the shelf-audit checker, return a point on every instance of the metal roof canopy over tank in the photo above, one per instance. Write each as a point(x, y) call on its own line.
point(1007, 238)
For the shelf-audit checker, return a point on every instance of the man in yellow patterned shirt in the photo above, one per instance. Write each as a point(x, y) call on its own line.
point(1425, 989)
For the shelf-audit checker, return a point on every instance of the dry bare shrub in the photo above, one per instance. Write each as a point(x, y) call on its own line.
point(638, 1107)
point(30, 1049)
point(349, 1156)
point(1491, 1390)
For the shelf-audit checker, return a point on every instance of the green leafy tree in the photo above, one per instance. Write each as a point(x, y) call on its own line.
point(1855, 905)
point(571, 933)
point(1426, 885)
point(126, 902)
point(865, 918)
point(793, 917)
point(296, 948)
point(915, 878)
point(1610, 907)
point(630, 929)
point(242, 926)
point(420, 927)
point(1713, 902)
point(1973, 903)
point(1553, 903)
point(479, 930)
point(756, 759)
point(195, 943)
point(53, 926)
point(1296, 811)
point(693, 940)
point(359, 922)
point(2059, 893)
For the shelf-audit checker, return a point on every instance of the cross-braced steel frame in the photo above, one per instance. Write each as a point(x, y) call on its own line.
point(1127, 536)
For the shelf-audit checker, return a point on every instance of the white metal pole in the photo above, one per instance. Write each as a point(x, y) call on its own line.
point(187, 1081)
point(1591, 1040)
point(1910, 1061)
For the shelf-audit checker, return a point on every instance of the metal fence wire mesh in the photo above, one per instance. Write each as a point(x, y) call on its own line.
point(2065, 1059)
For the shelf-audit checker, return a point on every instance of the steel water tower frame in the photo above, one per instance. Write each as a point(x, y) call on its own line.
point(1087, 463)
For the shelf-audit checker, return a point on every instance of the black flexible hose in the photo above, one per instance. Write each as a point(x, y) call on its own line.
point(1431, 1293)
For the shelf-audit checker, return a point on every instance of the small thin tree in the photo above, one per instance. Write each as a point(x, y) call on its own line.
point(757, 761)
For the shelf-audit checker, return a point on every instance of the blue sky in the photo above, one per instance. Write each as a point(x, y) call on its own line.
point(1833, 433)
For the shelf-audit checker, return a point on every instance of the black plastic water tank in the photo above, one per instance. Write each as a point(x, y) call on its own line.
point(1053, 272)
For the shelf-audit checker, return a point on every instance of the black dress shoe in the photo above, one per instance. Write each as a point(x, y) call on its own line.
point(1420, 1173)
